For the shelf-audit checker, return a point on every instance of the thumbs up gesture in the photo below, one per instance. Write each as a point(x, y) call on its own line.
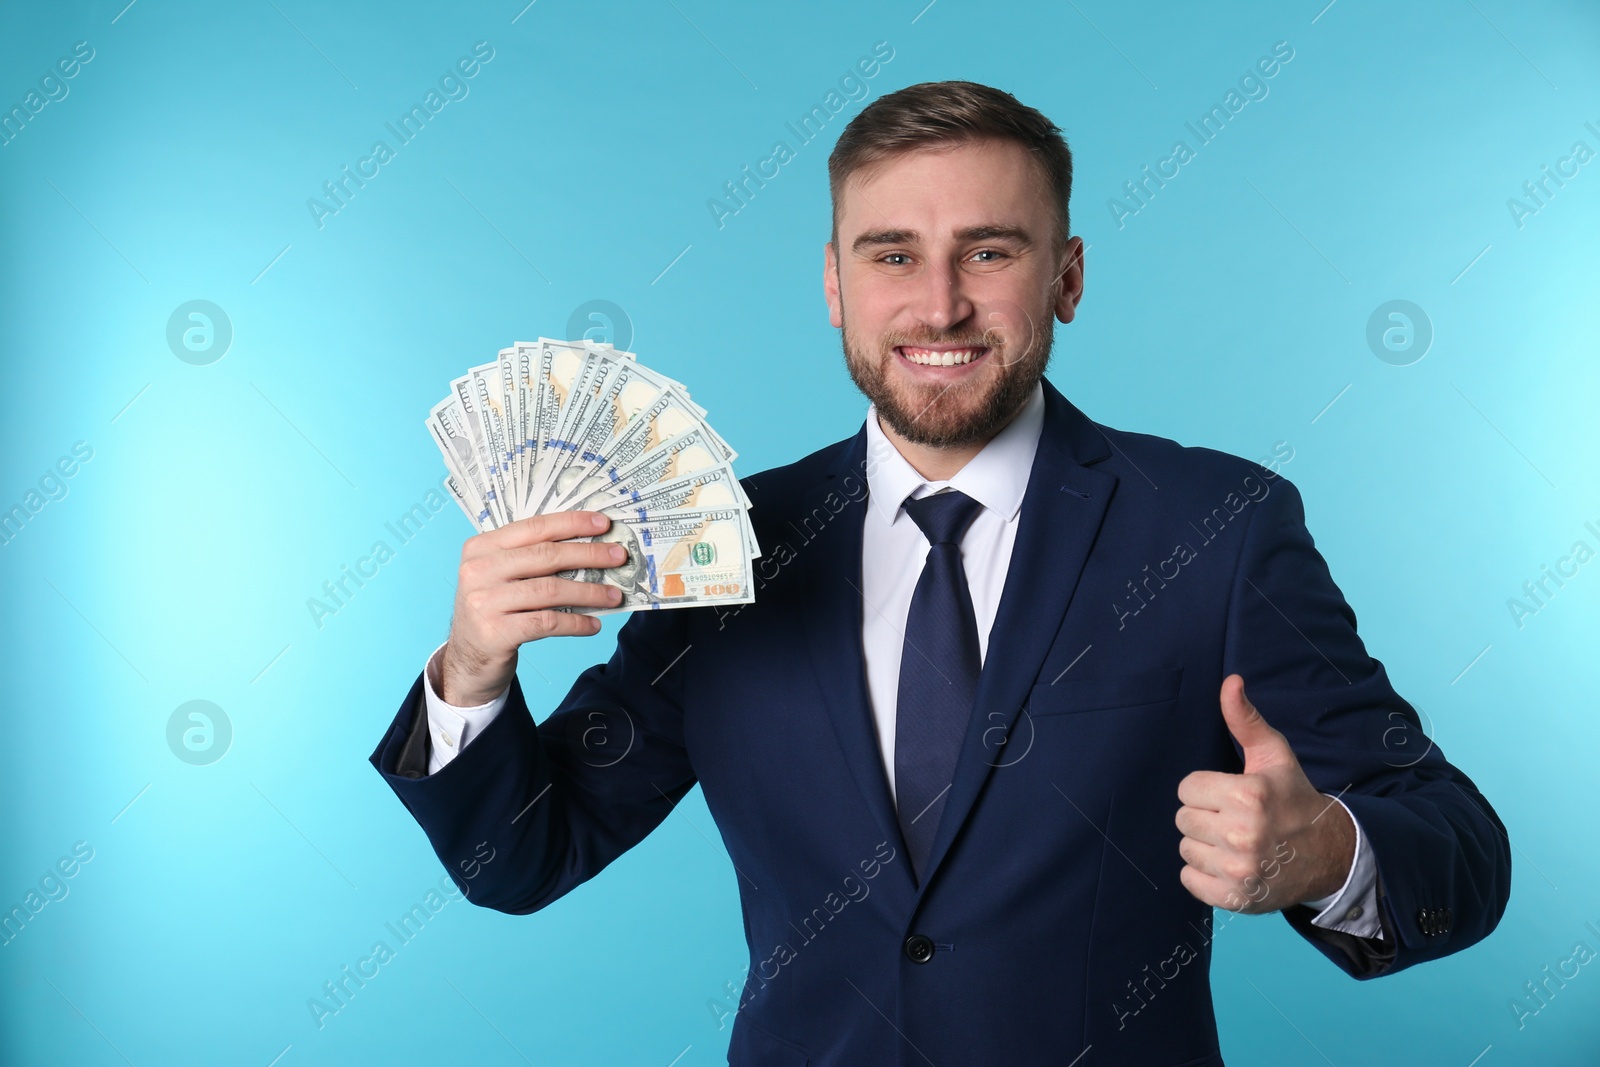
point(1265, 839)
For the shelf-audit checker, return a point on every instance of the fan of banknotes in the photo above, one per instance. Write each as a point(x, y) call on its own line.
point(561, 425)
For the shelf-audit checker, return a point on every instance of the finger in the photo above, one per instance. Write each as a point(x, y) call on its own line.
point(474, 611)
point(534, 594)
point(548, 557)
point(1206, 888)
point(554, 526)
point(1219, 862)
point(1217, 892)
point(1201, 825)
point(535, 625)
point(1261, 743)
point(1209, 790)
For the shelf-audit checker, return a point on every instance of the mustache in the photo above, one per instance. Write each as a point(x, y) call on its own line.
point(989, 338)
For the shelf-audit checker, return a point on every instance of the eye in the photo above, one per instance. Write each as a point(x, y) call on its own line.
point(995, 254)
point(901, 256)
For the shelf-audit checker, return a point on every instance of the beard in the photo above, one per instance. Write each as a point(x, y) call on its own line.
point(957, 414)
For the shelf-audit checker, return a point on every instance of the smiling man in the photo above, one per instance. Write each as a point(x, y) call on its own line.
point(950, 324)
point(981, 752)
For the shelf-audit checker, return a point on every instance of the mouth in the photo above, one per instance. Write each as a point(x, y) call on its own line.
point(954, 357)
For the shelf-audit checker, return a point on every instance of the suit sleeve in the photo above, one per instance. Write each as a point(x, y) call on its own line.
point(1443, 857)
point(528, 812)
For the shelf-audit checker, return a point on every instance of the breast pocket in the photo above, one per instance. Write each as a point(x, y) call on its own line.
point(1111, 692)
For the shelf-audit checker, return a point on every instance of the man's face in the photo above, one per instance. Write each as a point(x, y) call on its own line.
point(945, 281)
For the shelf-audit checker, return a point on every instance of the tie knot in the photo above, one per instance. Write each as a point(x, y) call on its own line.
point(943, 517)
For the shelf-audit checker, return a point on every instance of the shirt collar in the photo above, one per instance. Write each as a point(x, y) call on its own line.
point(997, 477)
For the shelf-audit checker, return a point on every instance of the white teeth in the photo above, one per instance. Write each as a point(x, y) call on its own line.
point(941, 359)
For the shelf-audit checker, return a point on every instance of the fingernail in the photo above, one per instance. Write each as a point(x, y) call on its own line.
point(599, 522)
point(613, 594)
point(618, 553)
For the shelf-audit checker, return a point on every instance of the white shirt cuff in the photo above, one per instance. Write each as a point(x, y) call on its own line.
point(1354, 908)
point(450, 727)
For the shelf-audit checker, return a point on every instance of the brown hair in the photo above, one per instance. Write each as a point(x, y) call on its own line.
point(950, 113)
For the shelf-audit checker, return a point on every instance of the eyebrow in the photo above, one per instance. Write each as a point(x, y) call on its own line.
point(983, 232)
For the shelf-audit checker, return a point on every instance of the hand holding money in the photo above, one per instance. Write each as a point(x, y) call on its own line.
point(509, 591)
point(553, 426)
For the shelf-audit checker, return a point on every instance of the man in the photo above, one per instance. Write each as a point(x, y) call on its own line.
point(983, 740)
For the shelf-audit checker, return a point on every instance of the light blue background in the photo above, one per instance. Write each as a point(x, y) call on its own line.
point(1229, 312)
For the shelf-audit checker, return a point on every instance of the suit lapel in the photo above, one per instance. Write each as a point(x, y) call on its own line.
point(832, 582)
point(1061, 514)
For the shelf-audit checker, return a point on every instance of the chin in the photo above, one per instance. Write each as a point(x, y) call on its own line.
point(950, 415)
point(940, 424)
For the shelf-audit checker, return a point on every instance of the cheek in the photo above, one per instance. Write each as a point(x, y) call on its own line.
point(1015, 316)
point(871, 305)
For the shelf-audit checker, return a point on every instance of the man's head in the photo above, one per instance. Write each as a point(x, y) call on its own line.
point(950, 242)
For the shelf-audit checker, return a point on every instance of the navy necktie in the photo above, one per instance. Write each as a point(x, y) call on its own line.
point(938, 672)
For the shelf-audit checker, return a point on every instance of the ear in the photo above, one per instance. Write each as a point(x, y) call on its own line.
point(1069, 286)
point(830, 285)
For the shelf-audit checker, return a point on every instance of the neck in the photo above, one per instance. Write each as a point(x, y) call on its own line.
point(934, 463)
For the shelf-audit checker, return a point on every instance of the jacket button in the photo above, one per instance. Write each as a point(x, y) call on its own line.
point(919, 948)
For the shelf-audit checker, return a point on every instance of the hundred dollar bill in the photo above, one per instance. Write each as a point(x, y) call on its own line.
point(666, 383)
point(550, 374)
point(559, 367)
point(747, 534)
point(602, 407)
point(512, 401)
point(485, 384)
point(453, 431)
point(684, 558)
point(471, 418)
point(524, 364)
point(597, 368)
point(678, 456)
point(716, 487)
point(658, 427)
point(473, 509)
point(466, 395)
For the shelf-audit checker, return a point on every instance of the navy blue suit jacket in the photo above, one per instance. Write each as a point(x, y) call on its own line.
point(1051, 919)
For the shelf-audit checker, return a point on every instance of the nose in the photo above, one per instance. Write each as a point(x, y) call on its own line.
point(942, 302)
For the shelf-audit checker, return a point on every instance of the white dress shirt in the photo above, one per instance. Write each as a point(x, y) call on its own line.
point(893, 552)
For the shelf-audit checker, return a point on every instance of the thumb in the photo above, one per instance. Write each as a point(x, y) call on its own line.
point(1263, 746)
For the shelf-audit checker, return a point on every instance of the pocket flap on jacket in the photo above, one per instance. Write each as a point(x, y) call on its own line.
point(1104, 692)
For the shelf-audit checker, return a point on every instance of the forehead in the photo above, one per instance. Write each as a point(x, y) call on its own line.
point(939, 189)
